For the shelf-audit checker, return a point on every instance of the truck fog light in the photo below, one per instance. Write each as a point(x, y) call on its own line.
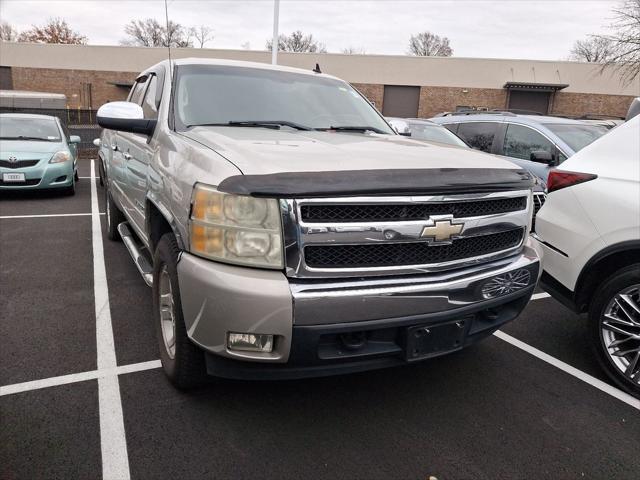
point(250, 342)
point(506, 283)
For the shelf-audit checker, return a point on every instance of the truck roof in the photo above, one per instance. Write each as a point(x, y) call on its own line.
point(242, 64)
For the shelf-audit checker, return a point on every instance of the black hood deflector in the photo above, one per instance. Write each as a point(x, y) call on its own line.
point(432, 181)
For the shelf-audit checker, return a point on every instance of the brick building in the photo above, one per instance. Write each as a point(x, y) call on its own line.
point(398, 85)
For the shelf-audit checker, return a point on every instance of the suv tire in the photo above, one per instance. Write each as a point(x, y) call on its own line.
point(183, 362)
point(114, 216)
point(604, 297)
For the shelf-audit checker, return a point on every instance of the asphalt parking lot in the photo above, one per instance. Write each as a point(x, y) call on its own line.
point(82, 395)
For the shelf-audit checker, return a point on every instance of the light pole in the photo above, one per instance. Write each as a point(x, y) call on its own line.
point(274, 43)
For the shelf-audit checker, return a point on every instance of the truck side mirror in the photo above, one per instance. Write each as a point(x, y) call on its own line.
point(125, 117)
point(542, 156)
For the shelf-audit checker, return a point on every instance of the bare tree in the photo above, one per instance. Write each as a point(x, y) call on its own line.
point(625, 40)
point(151, 33)
point(7, 32)
point(298, 42)
point(354, 51)
point(56, 30)
point(202, 34)
point(427, 44)
point(593, 49)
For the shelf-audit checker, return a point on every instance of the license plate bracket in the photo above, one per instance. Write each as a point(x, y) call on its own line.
point(13, 177)
point(424, 341)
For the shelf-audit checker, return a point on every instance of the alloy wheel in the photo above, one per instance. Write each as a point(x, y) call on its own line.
point(167, 313)
point(620, 332)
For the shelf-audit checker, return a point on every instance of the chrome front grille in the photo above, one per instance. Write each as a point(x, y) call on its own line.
point(538, 201)
point(409, 253)
point(329, 213)
point(18, 163)
point(365, 236)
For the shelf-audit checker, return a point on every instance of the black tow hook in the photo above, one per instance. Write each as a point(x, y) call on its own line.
point(353, 340)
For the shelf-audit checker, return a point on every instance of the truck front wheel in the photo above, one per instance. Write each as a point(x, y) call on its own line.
point(183, 362)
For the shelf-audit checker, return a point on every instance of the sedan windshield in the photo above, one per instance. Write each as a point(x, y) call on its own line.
point(577, 136)
point(435, 133)
point(25, 128)
point(254, 97)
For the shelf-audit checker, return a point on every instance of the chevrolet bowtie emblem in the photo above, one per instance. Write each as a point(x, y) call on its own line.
point(442, 230)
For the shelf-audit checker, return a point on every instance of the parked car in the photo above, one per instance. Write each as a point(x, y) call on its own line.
point(427, 131)
point(36, 152)
point(535, 142)
point(288, 231)
point(589, 231)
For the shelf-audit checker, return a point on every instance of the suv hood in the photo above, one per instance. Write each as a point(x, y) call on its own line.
point(259, 151)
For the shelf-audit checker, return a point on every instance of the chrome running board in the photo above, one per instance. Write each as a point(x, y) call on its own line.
point(142, 264)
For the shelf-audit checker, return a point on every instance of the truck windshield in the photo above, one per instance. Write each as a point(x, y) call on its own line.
point(26, 128)
point(577, 136)
point(218, 95)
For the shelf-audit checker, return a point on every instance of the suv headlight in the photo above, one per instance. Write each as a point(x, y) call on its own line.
point(235, 228)
point(60, 157)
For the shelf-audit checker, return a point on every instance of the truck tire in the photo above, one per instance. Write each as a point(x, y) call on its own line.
point(607, 300)
point(114, 216)
point(182, 360)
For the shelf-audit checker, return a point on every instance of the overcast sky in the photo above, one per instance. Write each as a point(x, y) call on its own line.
point(542, 29)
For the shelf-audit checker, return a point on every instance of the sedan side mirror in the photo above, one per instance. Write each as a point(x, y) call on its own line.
point(542, 156)
point(125, 117)
point(96, 142)
point(75, 139)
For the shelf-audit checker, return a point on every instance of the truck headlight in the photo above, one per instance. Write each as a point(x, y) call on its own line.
point(60, 157)
point(235, 228)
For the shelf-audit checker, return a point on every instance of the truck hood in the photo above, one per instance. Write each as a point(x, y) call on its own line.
point(260, 151)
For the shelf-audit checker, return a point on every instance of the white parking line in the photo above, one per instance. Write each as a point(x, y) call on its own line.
point(565, 367)
point(538, 296)
point(113, 441)
point(49, 215)
point(78, 377)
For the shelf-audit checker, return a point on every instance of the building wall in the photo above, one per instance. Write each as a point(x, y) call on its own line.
point(375, 93)
point(434, 100)
point(460, 72)
point(71, 83)
point(577, 104)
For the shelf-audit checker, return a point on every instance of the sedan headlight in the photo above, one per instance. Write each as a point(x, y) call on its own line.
point(60, 157)
point(235, 228)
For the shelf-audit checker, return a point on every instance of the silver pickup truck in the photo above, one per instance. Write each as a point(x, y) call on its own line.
point(288, 231)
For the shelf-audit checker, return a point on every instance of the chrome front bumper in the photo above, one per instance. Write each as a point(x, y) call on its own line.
point(219, 298)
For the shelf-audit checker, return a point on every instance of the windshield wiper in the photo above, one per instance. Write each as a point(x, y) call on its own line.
point(26, 137)
point(276, 124)
point(354, 128)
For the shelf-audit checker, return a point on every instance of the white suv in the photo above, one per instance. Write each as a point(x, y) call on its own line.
point(589, 232)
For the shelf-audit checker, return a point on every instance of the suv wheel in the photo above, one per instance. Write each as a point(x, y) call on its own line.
point(114, 216)
point(183, 362)
point(614, 321)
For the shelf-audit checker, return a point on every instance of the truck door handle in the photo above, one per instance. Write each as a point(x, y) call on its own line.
point(127, 156)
